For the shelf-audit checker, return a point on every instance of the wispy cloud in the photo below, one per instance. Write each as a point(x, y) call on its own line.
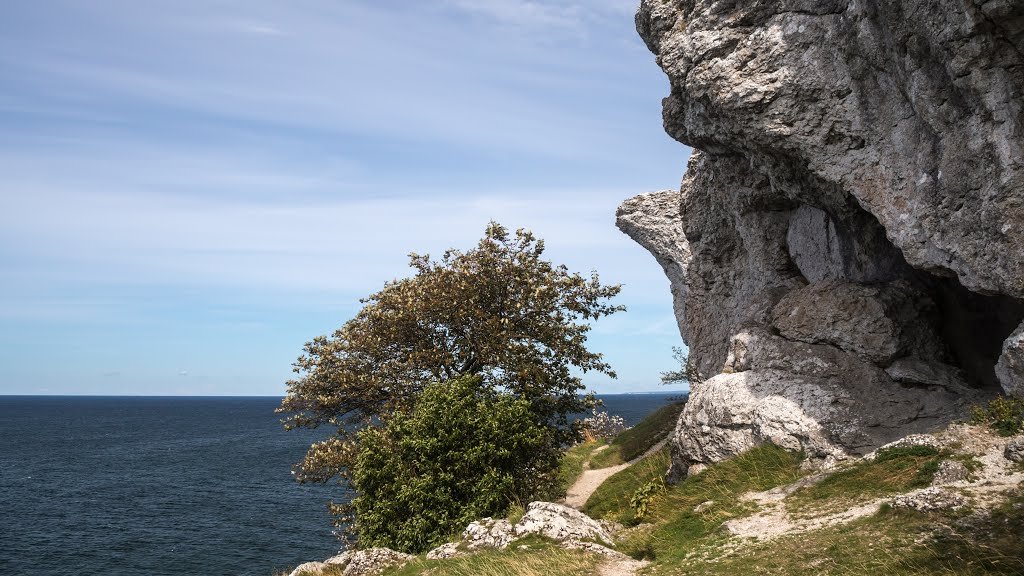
point(155, 170)
point(524, 12)
point(257, 28)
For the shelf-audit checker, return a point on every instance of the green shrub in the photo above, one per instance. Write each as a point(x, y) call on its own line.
point(463, 452)
point(641, 500)
point(1004, 415)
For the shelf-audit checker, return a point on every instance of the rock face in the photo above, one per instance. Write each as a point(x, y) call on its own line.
point(846, 251)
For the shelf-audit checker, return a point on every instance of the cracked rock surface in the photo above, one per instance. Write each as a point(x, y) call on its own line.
point(846, 250)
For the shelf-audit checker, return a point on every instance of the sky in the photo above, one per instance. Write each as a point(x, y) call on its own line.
point(191, 190)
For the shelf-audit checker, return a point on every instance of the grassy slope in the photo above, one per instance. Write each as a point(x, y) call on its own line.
point(892, 472)
point(889, 543)
point(538, 559)
point(571, 466)
point(679, 540)
point(636, 440)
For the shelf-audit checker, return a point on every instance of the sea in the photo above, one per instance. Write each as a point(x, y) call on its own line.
point(150, 486)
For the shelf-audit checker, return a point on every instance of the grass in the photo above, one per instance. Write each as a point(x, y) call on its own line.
point(890, 542)
point(679, 528)
point(571, 466)
point(611, 499)
point(540, 558)
point(679, 540)
point(673, 528)
point(891, 472)
point(635, 441)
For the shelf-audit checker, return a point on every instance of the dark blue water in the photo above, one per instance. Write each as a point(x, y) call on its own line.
point(165, 486)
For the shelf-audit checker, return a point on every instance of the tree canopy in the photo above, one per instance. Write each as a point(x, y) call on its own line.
point(498, 311)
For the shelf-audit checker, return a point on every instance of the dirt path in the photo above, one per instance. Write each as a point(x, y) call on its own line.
point(585, 485)
point(619, 567)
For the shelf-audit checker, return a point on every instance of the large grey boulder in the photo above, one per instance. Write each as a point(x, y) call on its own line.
point(1014, 450)
point(847, 258)
point(1010, 368)
point(818, 399)
point(488, 533)
point(561, 523)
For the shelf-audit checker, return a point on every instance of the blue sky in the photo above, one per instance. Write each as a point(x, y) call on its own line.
point(190, 190)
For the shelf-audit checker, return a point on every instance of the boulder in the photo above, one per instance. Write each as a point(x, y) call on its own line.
point(950, 471)
point(561, 523)
point(488, 533)
point(1010, 368)
point(879, 323)
point(445, 551)
point(1014, 450)
point(368, 562)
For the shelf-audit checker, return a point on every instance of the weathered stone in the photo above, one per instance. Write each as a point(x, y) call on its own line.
point(914, 108)
point(1014, 450)
point(368, 562)
point(856, 204)
point(916, 372)
point(488, 533)
point(910, 441)
point(309, 569)
point(879, 323)
point(445, 551)
point(1010, 368)
point(929, 500)
point(654, 222)
point(560, 522)
point(826, 250)
point(815, 398)
point(950, 471)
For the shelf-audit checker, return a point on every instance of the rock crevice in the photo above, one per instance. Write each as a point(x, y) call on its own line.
point(846, 250)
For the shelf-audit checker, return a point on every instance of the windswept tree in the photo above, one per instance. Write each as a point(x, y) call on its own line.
point(499, 312)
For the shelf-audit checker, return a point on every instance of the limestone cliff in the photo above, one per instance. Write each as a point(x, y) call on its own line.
point(846, 251)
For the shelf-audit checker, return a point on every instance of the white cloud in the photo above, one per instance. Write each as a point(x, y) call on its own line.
point(524, 12)
point(258, 28)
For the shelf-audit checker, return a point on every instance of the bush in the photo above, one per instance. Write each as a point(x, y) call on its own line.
point(641, 500)
point(463, 452)
point(1004, 415)
point(601, 426)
